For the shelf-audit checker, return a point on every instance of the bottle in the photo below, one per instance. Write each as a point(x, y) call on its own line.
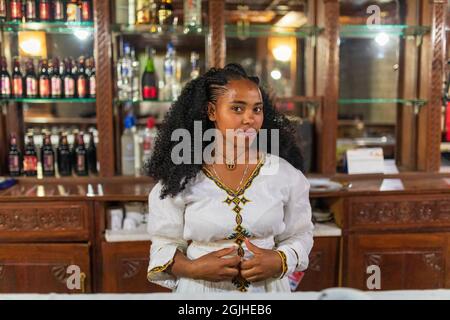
point(127, 145)
point(165, 13)
point(92, 81)
point(137, 141)
point(148, 140)
point(44, 10)
point(81, 160)
point(142, 12)
point(86, 10)
point(48, 157)
point(195, 65)
point(5, 79)
point(30, 10)
point(169, 73)
point(56, 82)
point(82, 82)
point(192, 10)
point(58, 10)
point(64, 156)
point(135, 77)
point(92, 154)
point(131, 12)
point(44, 80)
point(31, 83)
point(14, 157)
point(3, 12)
point(72, 11)
point(124, 79)
point(149, 80)
point(17, 80)
point(30, 159)
point(69, 81)
point(15, 7)
point(73, 150)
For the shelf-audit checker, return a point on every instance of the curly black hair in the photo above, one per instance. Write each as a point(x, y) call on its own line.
point(192, 105)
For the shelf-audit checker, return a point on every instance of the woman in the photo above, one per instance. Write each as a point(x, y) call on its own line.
point(232, 223)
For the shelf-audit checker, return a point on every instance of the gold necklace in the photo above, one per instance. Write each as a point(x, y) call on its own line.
point(242, 179)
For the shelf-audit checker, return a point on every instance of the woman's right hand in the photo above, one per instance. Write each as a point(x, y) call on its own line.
point(214, 267)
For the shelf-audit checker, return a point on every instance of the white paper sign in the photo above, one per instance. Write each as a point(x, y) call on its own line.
point(365, 160)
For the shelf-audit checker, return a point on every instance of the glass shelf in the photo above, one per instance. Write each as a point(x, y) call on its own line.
point(155, 30)
point(50, 27)
point(49, 100)
point(158, 102)
point(382, 101)
point(255, 30)
point(374, 30)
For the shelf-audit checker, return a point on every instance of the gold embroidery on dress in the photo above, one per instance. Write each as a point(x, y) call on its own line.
point(158, 269)
point(237, 199)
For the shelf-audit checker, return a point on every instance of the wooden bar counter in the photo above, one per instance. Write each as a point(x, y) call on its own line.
point(399, 223)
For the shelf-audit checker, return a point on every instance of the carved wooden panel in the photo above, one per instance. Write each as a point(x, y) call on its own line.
point(323, 265)
point(405, 261)
point(45, 221)
point(42, 268)
point(124, 268)
point(395, 212)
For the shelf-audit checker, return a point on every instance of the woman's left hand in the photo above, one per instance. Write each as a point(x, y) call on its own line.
point(265, 264)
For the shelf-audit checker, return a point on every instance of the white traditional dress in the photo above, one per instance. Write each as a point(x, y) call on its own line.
point(271, 208)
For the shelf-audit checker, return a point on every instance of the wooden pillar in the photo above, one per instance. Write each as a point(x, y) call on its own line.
point(327, 84)
point(104, 104)
point(216, 50)
point(430, 88)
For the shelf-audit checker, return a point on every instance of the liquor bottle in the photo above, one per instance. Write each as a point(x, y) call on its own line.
point(82, 81)
point(30, 159)
point(3, 11)
point(169, 73)
point(44, 10)
point(124, 71)
point(58, 10)
point(56, 80)
point(48, 157)
point(192, 10)
point(86, 10)
point(195, 65)
point(15, 10)
point(92, 154)
point(72, 11)
point(30, 10)
point(73, 150)
point(64, 156)
point(14, 157)
point(165, 13)
point(17, 80)
point(5, 79)
point(149, 79)
point(69, 81)
point(90, 73)
point(135, 77)
point(143, 12)
point(127, 145)
point(149, 138)
point(31, 83)
point(81, 160)
point(44, 80)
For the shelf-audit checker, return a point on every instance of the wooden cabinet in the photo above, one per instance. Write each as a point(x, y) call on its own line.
point(124, 268)
point(323, 269)
point(42, 268)
point(406, 261)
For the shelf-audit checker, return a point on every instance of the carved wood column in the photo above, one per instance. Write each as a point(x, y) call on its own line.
point(104, 104)
point(431, 76)
point(216, 50)
point(327, 84)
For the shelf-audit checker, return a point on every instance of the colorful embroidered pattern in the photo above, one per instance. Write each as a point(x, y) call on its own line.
point(237, 199)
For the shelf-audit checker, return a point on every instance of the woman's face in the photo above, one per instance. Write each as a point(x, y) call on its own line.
point(239, 108)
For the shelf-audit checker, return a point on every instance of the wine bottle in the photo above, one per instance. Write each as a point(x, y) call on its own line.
point(5, 79)
point(81, 79)
point(92, 81)
point(30, 10)
point(69, 81)
point(48, 157)
point(30, 157)
point(58, 10)
point(3, 12)
point(56, 80)
point(149, 80)
point(86, 10)
point(31, 84)
point(17, 80)
point(14, 157)
point(64, 156)
point(81, 160)
point(16, 10)
point(44, 10)
point(44, 80)
point(92, 154)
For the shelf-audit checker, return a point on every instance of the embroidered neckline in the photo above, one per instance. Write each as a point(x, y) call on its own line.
point(244, 187)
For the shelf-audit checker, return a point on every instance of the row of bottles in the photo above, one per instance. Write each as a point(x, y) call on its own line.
point(159, 14)
point(132, 86)
point(136, 146)
point(55, 79)
point(64, 159)
point(46, 10)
